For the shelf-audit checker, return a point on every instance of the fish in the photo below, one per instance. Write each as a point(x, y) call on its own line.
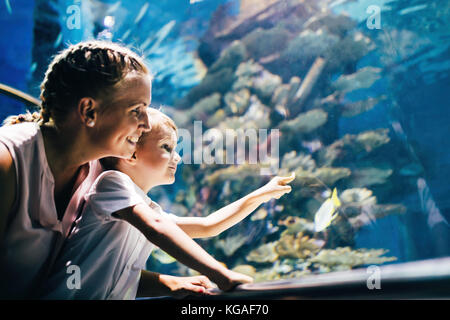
point(327, 212)
point(58, 40)
point(159, 37)
point(428, 204)
point(113, 7)
point(413, 9)
point(141, 13)
point(8, 6)
point(194, 1)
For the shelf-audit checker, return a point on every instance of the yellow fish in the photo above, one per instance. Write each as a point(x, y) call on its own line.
point(327, 212)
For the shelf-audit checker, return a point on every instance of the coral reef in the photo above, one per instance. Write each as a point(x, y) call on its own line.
point(292, 65)
point(346, 258)
point(264, 253)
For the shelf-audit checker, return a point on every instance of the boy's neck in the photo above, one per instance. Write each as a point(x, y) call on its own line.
point(139, 180)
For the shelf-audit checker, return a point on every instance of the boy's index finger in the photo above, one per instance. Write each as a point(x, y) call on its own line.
point(288, 179)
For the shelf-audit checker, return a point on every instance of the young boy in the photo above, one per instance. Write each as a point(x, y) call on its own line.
point(111, 242)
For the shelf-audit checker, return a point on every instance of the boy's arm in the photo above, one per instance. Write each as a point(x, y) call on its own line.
point(228, 216)
point(165, 234)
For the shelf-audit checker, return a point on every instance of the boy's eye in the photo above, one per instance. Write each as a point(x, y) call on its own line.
point(167, 147)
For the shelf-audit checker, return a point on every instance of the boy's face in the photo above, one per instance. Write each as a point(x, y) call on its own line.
point(157, 159)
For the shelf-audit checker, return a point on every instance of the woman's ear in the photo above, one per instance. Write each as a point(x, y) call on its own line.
point(88, 109)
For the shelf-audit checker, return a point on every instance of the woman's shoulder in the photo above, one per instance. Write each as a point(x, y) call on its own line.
point(19, 134)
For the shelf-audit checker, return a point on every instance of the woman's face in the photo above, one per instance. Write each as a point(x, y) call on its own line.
point(123, 117)
point(157, 159)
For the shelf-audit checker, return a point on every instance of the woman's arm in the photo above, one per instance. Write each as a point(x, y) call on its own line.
point(7, 186)
point(164, 233)
point(228, 216)
point(152, 284)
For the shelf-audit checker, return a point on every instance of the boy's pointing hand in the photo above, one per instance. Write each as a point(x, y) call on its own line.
point(275, 188)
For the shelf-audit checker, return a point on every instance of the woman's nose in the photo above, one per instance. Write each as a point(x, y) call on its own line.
point(145, 122)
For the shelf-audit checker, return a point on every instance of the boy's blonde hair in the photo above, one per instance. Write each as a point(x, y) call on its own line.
point(157, 120)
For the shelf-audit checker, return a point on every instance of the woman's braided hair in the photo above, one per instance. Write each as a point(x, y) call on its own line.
point(82, 70)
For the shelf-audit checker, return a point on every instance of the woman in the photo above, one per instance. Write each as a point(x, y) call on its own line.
point(94, 99)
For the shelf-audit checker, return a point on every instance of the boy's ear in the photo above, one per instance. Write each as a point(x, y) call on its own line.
point(131, 161)
point(88, 109)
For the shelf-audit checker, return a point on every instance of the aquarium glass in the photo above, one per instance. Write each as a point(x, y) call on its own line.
point(351, 96)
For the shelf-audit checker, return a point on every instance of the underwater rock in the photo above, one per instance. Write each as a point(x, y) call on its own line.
point(352, 146)
point(216, 118)
point(371, 213)
point(264, 253)
point(305, 122)
point(231, 244)
point(200, 110)
point(292, 161)
point(296, 245)
point(265, 85)
point(358, 196)
point(367, 141)
point(219, 82)
point(237, 102)
point(334, 24)
point(248, 69)
point(260, 214)
point(305, 48)
point(254, 77)
point(368, 176)
point(267, 274)
point(346, 257)
point(231, 57)
point(355, 108)
point(329, 176)
point(261, 43)
point(259, 14)
point(308, 84)
point(245, 269)
point(351, 49)
point(257, 116)
point(233, 173)
point(277, 114)
point(296, 224)
point(363, 78)
point(285, 93)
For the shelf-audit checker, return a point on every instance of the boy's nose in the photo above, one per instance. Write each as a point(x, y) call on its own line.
point(177, 157)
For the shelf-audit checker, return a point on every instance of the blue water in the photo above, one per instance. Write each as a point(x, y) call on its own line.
point(168, 34)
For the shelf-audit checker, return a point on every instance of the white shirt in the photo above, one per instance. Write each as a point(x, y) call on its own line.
point(33, 230)
point(109, 252)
